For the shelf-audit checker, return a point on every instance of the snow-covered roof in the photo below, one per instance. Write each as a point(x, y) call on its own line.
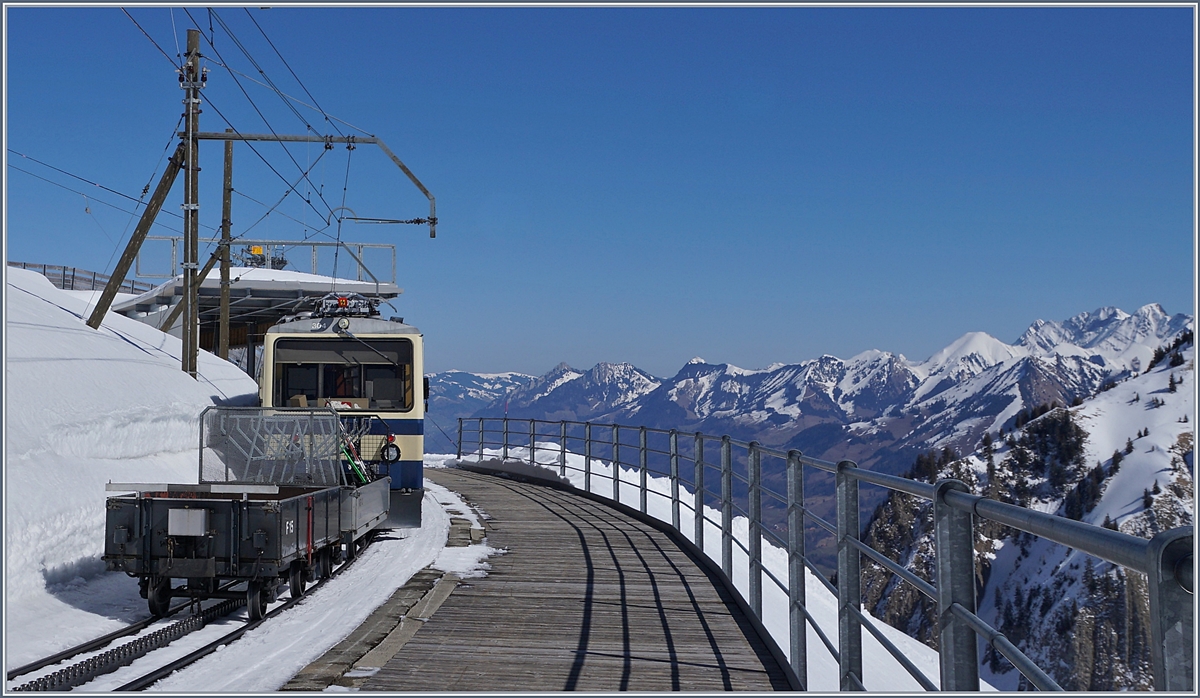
point(246, 280)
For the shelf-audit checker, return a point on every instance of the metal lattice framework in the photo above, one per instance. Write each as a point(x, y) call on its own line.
point(277, 446)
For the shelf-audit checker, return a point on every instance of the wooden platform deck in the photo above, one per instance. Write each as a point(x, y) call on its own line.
point(584, 599)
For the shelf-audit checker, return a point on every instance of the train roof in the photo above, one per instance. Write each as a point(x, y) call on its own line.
point(301, 325)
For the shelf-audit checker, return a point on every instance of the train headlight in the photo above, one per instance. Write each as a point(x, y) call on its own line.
point(344, 323)
point(390, 453)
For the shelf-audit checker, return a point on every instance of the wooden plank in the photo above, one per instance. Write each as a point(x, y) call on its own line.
point(584, 598)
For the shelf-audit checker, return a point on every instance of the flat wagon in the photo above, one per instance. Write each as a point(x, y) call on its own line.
point(279, 501)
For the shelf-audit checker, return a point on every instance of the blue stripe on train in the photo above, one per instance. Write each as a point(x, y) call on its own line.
point(406, 474)
point(399, 427)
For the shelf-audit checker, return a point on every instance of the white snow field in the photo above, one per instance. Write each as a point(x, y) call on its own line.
point(881, 671)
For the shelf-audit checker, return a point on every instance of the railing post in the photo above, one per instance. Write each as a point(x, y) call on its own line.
point(954, 548)
point(848, 580)
point(797, 624)
point(727, 507)
point(587, 457)
point(754, 471)
point(562, 448)
point(532, 442)
point(504, 448)
point(1172, 623)
point(698, 486)
point(674, 448)
point(642, 470)
point(481, 438)
point(458, 455)
point(616, 462)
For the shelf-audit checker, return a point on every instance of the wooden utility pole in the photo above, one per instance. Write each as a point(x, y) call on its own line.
point(226, 212)
point(191, 79)
point(139, 235)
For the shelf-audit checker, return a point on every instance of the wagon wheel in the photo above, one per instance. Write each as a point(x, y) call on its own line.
point(296, 579)
point(158, 596)
point(325, 563)
point(255, 601)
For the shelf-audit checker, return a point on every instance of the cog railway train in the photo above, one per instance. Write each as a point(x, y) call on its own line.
point(288, 489)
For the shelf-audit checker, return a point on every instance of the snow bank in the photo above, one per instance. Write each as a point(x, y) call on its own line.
point(83, 407)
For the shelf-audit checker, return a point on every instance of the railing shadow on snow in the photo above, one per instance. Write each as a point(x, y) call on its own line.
point(1166, 559)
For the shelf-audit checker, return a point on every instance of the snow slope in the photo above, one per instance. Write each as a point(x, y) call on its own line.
point(82, 407)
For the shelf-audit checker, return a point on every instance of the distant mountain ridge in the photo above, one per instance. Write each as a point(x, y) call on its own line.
point(877, 408)
point(1120, 455)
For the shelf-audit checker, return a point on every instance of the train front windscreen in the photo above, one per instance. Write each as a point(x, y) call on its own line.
point(371, 374)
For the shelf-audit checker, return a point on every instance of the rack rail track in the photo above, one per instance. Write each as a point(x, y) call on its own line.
point(90, 645)
point(107, 662)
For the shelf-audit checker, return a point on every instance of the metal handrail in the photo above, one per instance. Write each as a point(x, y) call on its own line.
point(1167, 559)
point(73, 279)
point(269, 247)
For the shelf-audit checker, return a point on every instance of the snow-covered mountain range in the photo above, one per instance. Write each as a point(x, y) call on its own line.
point(1091, 418)
point(1121, 459)
point(877, 408)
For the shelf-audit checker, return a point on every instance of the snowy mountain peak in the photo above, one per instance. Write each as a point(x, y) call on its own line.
point(605, 372)
point(1111, 332)
point(696, 360)
point(969, 354)
point(1151, 310)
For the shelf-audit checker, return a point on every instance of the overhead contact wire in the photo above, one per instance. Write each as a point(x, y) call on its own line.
point(277, 203)
point(241, 47)
point(261, 115)
point(289, 67)
point(144, 33)
point(99, 201)
point(297, 100)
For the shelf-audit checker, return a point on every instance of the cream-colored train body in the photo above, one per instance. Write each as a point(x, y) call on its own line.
point(369, 369)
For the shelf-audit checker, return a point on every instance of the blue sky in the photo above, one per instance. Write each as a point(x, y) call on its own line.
point(750, 185)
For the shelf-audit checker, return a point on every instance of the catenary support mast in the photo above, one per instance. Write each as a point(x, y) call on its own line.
point(226, 212)
point(191, 79)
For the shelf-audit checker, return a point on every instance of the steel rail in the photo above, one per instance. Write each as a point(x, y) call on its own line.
point(837, 657)
point(923, 586)
point(782, 585)
point(893, 650)
point(891, 482)
point(775, 537)
point(823, 523)
point(111, 660)
point(829, 586)
point(996, 639)
point(90, 645)
point(1106, 544)
point(191, 658)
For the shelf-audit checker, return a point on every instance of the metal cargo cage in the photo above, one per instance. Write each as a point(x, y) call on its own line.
point(279, 446)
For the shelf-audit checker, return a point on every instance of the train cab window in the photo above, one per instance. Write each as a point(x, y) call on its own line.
point(376, 377)
point(341, 380)
point(297, 379)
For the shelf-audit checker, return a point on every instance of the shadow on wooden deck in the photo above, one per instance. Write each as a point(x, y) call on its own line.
point(585, 598)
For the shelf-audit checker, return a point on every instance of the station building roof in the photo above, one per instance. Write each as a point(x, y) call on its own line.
point(256, 296)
